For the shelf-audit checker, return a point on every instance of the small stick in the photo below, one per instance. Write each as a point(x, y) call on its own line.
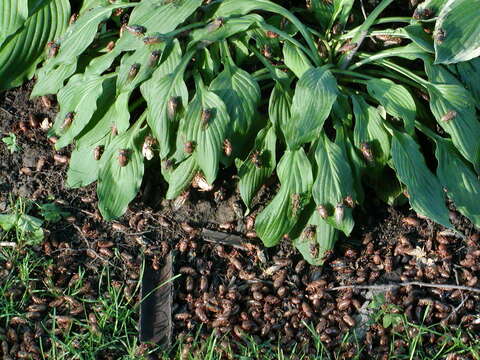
point(411, 283)
point(8, 244)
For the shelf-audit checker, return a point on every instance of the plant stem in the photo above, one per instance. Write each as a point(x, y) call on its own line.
point(352, 73)
point(426, 131)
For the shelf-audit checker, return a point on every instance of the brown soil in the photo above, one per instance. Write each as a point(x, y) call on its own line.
point(267, 293)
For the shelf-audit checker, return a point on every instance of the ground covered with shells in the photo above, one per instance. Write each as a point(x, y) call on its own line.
point(75, 293)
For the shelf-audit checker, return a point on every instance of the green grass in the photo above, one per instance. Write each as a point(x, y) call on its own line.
point(26, 275)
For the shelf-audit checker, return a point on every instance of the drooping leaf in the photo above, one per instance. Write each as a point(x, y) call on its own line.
point(205, 125)
point(341, 11)
point(425, 193)
point(369, 130)
point(166, 85)
point(241, 94)
point(78, 99)
point(457, 32)
point(454, 108)
point(461, 182)
point(22, 51)
point(279, 217)
point(315, 93)
point(396, 99)
point(89, 4)
point(333, 184)
point(295, 59)
point(118, 185)
point(181, 177)
point(253, 175)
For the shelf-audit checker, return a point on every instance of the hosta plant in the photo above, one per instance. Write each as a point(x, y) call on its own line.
point(327, 99)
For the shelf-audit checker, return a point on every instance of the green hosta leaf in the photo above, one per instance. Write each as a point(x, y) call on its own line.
point(457, 32)
point(322, 11)
point(206, 132)
point(469, 72)
point(334, 182)
point(166, 85)
point(89, 4)
point(370, 130)
point(461, 182)
point(83, 168)
point(252, 176)
point(279, 106)
point(315, 93)
point(118, 185)
point(416, 33)
point(425, 193)
point(295, 59)
point(212, 32)
point(181, 177)
point(316, 239)
point(13, 14)
point(280, 216)
point(396, 99)
point(79, 97)
point(241, 94)
point(448, 97)
point(21, 52)
point(157, 17)
point(77, 38)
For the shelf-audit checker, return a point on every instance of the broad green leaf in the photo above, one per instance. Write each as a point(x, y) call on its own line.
point(79, 97)
point(181, 177)
point(425, 193)
point(279, 217)
point(212, 33)
point(165, 85)
point(118, 185)
point(449, 97)
point(333, 184)
point(157, 17)
point(241, 94)
point(207, 135)
point(21, 52)
point(252, 176)
point(460, 181)
point(469, 72)
point(315, 93)
point(295, 59)
point(316, 239)
point(457, 32)
point(279, 106)
point(369, 129)
point(416, 33)
point(13, 14)
point(74, 42)
point(396, 99)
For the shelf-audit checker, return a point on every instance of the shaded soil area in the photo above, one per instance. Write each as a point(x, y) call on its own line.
point(269, 294)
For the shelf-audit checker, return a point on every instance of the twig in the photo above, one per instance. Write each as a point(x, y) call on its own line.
point(411, 283)
point(8, 244)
